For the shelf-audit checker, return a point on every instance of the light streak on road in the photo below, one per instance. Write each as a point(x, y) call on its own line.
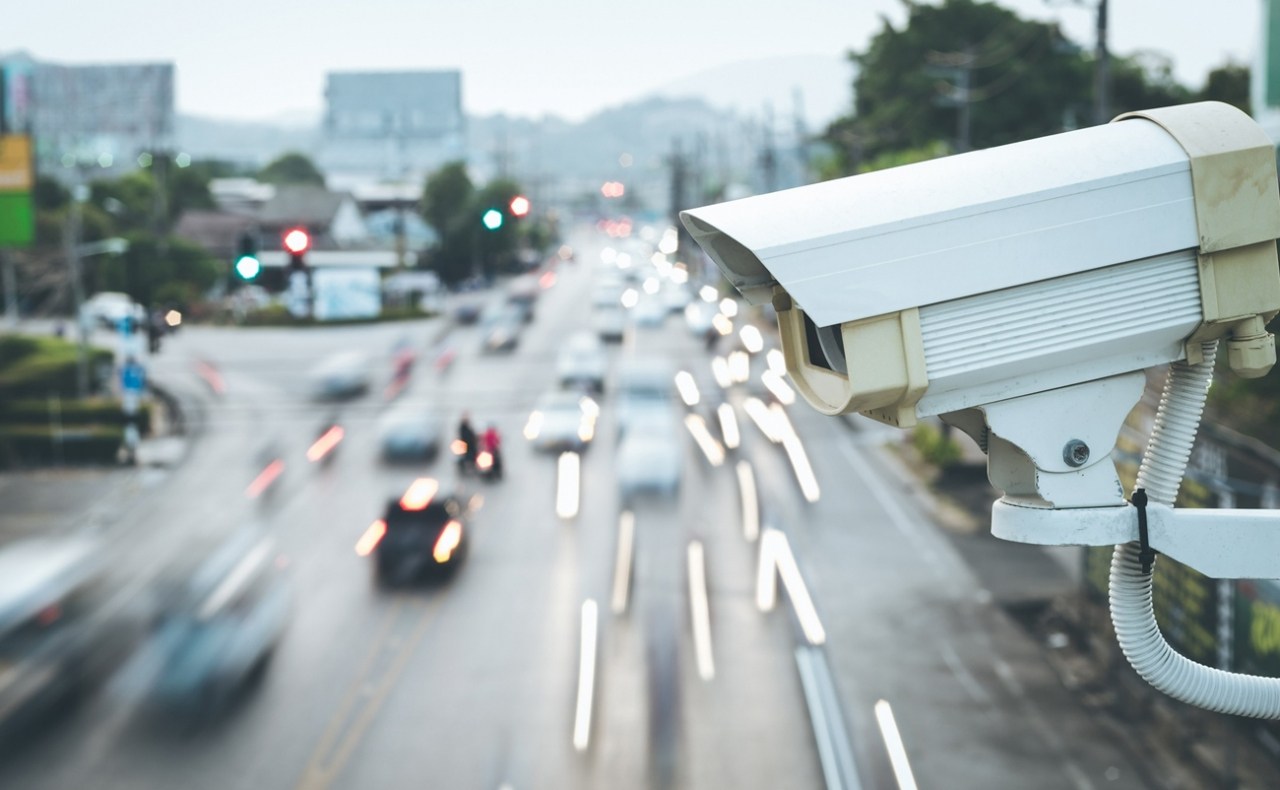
point(534, 426)
point(803, 469)
point(327, 441)
point(750, 501)
point(729, 426)
point(419, 494)
point(622, 567)
point(766, 575)
point(688, 388)
point(728, 307)
point(710, 447)
point(264, 479)
point(568, 485)
point(369, 540)
point(780, 389)
point(829, 731)
point(739, 366)
point(764, 419)
point(777, 361)
point(700, 611)
point(893, 744)
point(720, 369)
point(586, 676)
point(211, 377)
point(774, 544)
point(752, 340)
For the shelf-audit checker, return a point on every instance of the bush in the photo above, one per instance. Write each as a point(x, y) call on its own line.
point(35, 444)
point(937, 449)
point(90, 411)
point(48, 368)
point(15, 347)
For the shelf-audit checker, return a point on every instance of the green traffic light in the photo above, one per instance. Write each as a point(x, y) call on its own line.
point(248, 267)
point(492, 219)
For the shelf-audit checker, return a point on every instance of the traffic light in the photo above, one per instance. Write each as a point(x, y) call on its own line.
point(520, 205)
point(492, 219)
point(297, 242)
point(247, 264)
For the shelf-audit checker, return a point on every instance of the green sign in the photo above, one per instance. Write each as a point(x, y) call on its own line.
point(17, 220)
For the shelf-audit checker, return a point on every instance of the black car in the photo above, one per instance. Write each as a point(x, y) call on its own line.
point(420, 540)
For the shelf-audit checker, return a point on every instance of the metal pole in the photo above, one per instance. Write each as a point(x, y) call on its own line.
point(965, 117)
point(10, 289)
point(71, 245)
point(1102, 70)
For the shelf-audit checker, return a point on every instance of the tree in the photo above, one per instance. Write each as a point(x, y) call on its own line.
point(446, 195)
point(1026, 80)
point(455, 208)
point(292, 168)
point(1228, 83)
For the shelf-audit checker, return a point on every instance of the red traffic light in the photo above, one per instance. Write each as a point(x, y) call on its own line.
point(520, 205)
point(297, 241)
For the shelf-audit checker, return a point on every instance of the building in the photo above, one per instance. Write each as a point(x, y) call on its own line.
point(102, 117)
point(392, 125)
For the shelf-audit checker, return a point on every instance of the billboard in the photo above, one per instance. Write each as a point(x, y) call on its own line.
point(17, 218)
point(346, 293)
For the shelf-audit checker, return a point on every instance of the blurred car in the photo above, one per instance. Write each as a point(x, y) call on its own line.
point(650, 312)
point(607, 294)
point(342, 375)
point(409, 432)
point(610, 323)
point(644, 391)
point(421, 536)
point(48, 634)
point(504, 333)
point(582, 362)
point(649, 460)
point(562, 420)
point(523, 291)
point(675, 296)
point(219, 618)
point(697, 316)
point(467, 311)
point(108, 308)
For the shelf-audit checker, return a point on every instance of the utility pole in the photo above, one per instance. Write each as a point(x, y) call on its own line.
point(964, 115)
point(1102, 70)
point(679, 177)
point(71, 248)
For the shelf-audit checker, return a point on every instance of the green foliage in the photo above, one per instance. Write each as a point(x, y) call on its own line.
point(1228, 83)
point(934, 447)
point(453, 206)
point(151, 275)
point(15, 347)
point(88, 411)
point(49, 194)
point(292, 168)
point(38, 444)
point(907, 157)
point(48, 368)
point(1026, 78)
point(279, 315)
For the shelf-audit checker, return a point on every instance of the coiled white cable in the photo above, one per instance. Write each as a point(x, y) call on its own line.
point(1132, 614)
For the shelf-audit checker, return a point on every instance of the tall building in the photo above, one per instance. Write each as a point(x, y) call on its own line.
point(104, 115)
point(392, 125)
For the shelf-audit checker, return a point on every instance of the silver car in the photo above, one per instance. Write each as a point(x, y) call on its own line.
point(582, 362)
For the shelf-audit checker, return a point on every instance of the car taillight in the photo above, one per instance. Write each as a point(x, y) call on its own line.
point(459, 447)
point(325, 443)
point(449, 539)
point(484, 460)
point(369, 540)
point(419, 494)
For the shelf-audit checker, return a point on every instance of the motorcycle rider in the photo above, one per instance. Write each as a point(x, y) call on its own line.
point(467, 435)
point(492, 442)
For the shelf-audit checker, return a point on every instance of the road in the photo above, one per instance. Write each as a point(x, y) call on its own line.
point(475, 683)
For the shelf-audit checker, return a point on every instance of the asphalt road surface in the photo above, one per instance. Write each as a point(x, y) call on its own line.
point(477, 682)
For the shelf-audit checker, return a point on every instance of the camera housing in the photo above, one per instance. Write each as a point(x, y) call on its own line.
point(942, 286)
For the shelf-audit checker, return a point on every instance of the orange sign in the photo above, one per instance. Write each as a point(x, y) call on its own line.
point(15, 163)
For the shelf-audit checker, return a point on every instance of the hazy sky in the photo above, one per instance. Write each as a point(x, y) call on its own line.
point(262, 58)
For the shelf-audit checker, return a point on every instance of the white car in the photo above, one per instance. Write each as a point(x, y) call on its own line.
point(649, 460)
point(562, 420)
point(342, 375)
point(644, 389)
point(109, 308)
point(582, 362)
point(610, 323)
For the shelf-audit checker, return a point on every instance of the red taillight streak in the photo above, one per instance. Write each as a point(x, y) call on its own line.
point(419, 494)
point(369, 540)
point(265, 478)
point(327, 441)
point(449, 539)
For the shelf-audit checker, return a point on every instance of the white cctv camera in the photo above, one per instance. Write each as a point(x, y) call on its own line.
point(1019, 293)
